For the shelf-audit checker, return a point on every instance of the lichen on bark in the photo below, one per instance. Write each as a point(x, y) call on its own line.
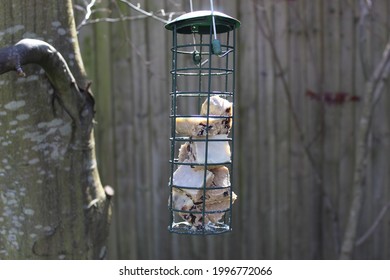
point(52, 203)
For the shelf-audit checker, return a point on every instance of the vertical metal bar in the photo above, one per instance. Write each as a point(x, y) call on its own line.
point(173, 121)
point(232, 129)
point(210, 46)
point(200, 72)
point(227, 62)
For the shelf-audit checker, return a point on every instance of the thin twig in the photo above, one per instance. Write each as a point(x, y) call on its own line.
point(305, 28)
point(114, 20)
point(373, 90)
point(375, 224)
point(89, 11)
point(268, 34)
point(270, 37)
point(138, 9)
point(87, 14)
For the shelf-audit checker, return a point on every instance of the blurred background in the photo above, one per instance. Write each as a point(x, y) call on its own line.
point(302, 71)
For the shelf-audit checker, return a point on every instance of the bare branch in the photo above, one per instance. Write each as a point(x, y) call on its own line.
point(138, 9)
point(90, 9)
point(373, 90)
point(114, 20)
point(268, 34)
point(31, 51)
point(87, 14)
point(270, 37)
point(376, 223)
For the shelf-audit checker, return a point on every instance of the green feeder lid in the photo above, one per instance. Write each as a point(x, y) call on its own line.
point(200, 22)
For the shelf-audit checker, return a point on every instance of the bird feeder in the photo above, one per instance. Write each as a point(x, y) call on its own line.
point(202, 123)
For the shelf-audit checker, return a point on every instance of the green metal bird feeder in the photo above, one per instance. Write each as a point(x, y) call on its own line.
point(202, 123)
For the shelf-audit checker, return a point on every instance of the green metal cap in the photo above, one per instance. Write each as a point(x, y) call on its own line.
point(200, 22)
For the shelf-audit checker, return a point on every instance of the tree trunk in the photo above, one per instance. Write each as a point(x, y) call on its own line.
point(52, 204)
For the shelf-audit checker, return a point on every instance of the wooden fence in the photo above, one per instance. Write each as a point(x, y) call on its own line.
point(302, 71)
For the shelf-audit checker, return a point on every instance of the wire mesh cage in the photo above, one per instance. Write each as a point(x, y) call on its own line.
point(202, 123)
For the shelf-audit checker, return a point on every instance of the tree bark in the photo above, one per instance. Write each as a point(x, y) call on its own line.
point(52, 203)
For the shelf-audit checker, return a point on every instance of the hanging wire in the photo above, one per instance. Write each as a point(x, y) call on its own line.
point(216, 44)
point(196, 55)
point(212, 16)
